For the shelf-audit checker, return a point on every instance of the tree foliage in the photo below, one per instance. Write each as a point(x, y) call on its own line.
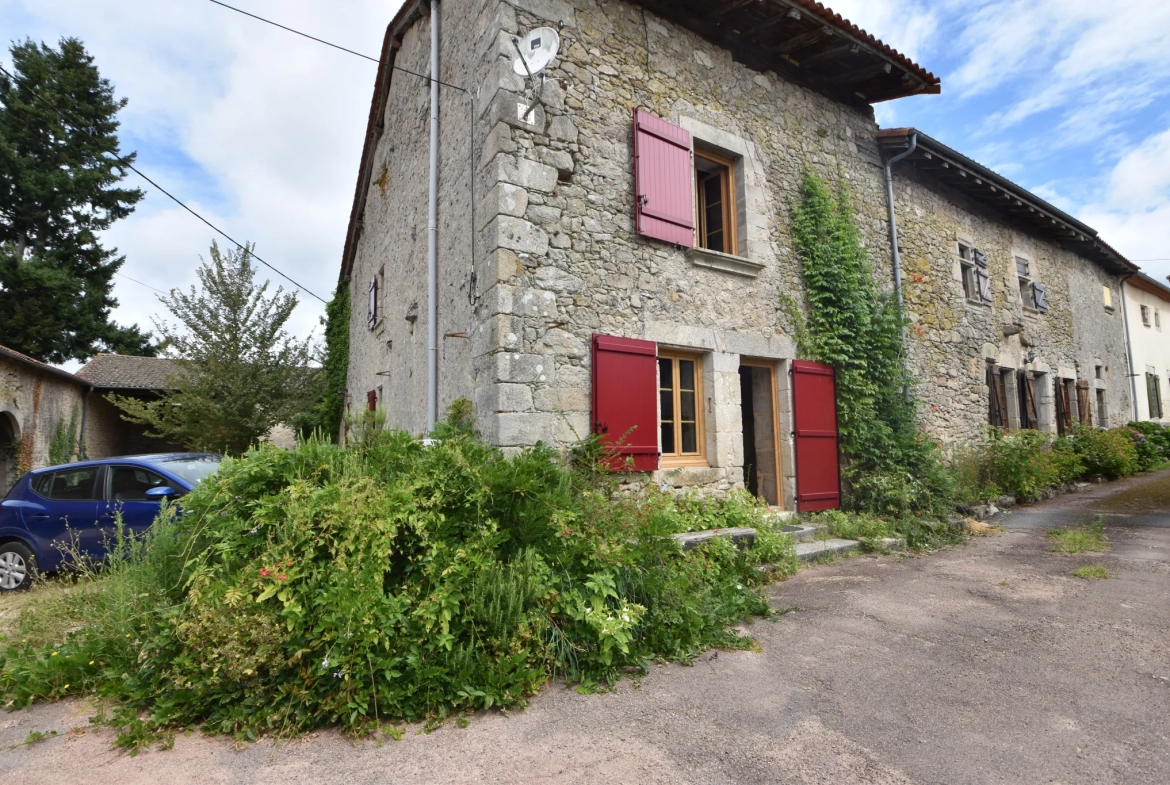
point(328, 409)
point(851, 324)
point(240, 372)
point(58, 191)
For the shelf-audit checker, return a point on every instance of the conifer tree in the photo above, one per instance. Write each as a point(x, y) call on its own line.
point(59, 189)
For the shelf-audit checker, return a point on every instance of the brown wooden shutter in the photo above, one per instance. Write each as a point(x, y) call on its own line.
point(625, 400)
point(372, 400)
point(1084, 413)
point(997, 403)
point(663, 180)
point(1063, 408)
point(1027, 385)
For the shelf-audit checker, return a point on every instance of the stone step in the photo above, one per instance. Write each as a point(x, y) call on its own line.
point(743, 537)
point(802, 532)
point(819, 549)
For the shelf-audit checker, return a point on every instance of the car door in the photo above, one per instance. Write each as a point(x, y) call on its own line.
point(63, 513)
point(126, 494)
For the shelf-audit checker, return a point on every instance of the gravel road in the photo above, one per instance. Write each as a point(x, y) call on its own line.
point(987, 663)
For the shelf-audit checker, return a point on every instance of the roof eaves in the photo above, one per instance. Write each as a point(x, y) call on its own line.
point(24, 359)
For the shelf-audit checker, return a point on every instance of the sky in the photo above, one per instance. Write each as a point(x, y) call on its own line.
point(261, 131)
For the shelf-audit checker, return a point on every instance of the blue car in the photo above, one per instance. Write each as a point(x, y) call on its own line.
point(50, 514)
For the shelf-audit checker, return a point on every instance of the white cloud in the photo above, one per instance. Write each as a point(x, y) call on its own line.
point(256, 128)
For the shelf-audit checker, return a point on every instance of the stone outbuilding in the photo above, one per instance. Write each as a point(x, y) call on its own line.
point(614, 241)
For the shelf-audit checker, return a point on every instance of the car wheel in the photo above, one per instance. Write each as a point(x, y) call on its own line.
point(18, 567)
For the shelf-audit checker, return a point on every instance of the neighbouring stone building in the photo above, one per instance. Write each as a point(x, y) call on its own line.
point(1147, 307)
point(616, 258)
point(37, 399)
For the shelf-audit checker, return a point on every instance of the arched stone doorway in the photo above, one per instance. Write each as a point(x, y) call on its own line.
point(9, 449)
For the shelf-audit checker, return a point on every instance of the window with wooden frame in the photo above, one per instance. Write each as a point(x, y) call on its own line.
point(1145, 309)
point(997, 412)
point(976, 279)
point(715, 203)
point(680, 415)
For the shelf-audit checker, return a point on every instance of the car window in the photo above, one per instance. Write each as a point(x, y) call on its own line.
point(130, 483)
point(43, 484)
point(192, 469)
point(76, 485)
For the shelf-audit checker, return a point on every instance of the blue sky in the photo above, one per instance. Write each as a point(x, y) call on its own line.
point(262, 131)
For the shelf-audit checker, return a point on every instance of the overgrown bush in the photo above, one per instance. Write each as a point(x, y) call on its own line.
point(1018, 463)
point(387, 582)
point(919, 533)
point(1151, 440)
point(1111, 453)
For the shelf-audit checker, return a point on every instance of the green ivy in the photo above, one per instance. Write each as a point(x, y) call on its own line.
point(64, 441)
point(890, 466)
point(328, 411)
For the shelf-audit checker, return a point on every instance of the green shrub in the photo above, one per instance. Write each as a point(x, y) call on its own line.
point(1024, 462)
point(1111, 453)
point(1151, 440)
point(390, 581)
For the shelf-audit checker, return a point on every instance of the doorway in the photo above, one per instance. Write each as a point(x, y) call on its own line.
point(761, 430)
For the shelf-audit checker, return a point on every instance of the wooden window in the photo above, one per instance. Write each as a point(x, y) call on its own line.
point(715, 203)
point(372, 400)
point(1145, 315)
point(976, 279)
point(1024, 276)
point(1107, 297)
point(1029, 408)
point(680, 400)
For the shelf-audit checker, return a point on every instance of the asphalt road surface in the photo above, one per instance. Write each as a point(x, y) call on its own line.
point(986, 663)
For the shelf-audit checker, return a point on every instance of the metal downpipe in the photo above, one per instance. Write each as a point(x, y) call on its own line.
point(893, 221)
point(433, 234)
point(1133, 401)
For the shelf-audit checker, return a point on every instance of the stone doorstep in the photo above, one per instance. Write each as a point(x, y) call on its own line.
point(812, 551)
point(743, 537)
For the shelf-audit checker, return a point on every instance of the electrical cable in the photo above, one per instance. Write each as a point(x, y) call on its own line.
point(123, 162)
point(335, 46)
point(140, 283)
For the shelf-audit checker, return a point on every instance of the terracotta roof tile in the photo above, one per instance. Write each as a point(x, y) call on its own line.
point(129, 372)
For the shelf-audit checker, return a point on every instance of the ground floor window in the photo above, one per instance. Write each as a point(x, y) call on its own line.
point(1102, 414)
point(1029, 404)
point(997, 409)
point(1154, 395)
point(680, 394)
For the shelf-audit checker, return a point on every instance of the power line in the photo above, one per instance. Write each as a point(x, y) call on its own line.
point(140, 283)
point(123, 162)
point(1167, 259)
point(335, 46)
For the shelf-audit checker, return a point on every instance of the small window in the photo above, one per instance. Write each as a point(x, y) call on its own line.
point(1099, 371)
point(372, 306)
point(680, 398)
point(976, 280)
point(1107, 297)
point(130, 483)
point(1145, 315)
point(1157, 319)
point(1024, 274)
point(715, 203)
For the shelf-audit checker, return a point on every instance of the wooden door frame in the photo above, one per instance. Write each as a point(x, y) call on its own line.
point(774, 367)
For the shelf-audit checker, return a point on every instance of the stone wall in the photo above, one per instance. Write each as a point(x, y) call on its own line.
point(33, 401)
point(951, 338)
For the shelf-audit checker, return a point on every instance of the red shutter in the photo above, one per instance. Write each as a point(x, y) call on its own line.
point(372, 400)
point(625, 400)
point(663, 180)
point(814, 404)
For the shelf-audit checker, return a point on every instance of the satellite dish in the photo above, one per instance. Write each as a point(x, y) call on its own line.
point(537, 50)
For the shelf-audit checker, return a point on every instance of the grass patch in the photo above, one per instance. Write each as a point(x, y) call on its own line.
point(1092, 572)
point(389, 582)
point(920, 534)
point(1086, 538)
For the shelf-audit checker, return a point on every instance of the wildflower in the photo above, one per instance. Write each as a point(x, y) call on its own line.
point(54, 654)
point(289, 564)
point(265, 573)
point(282, 577)
point(337, 674)
point(325, 663)
point(65, 687)
point(625, 617)
point(91, 662)
point(254, 530)
point(739, 586)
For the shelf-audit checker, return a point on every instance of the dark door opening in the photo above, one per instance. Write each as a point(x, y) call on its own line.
point(761, 464)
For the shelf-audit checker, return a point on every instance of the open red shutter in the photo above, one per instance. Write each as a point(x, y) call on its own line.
point(663, 180)
point(814, 404)
point(372, 400)
point(625, 400)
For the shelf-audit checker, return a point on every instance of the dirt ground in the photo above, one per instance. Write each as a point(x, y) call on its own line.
point(987, 663)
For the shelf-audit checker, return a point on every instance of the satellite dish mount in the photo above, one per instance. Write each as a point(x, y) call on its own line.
point(533, 54)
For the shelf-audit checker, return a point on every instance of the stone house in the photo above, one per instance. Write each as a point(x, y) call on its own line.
point(1147, 307)
point(36, 399)
point(613, 256)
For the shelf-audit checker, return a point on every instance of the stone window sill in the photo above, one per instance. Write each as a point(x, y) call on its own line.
point(724, 262)
point(978, 302)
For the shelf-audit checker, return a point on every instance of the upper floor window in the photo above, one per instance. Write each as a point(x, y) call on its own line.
point(715, 203)
point(1033, 295)
point(976, 280)
point(1107, 297)
point(1145, 315)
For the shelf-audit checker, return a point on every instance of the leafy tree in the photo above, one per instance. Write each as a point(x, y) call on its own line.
point(58, 191)
point(241, 373)
point(328, 407)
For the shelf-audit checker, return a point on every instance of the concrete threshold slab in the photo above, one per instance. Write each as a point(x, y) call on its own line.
point(811, 551)
point(742, 537)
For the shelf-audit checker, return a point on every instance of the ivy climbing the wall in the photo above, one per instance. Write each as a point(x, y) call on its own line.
point(890, 466)
point(328, 408)
point(63, 442)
